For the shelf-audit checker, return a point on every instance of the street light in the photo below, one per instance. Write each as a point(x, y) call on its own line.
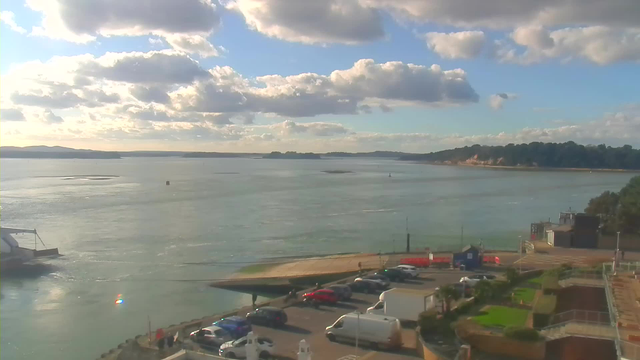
point(520, 251)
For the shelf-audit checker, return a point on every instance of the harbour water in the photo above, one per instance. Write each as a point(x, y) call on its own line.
point(124, 232)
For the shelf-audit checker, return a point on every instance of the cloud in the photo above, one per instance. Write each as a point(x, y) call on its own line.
point(385, 109)
point(598, 44)
point(155, 67)
point(312, 22)
point(7, 17)
point(55, 100)
point(496, 101)
point(51, 118)
point(11, 114)
point(289, 128)
point(456, 45)
point(148, 94)
point(341, 92)
point(501, 14)
point(82, 21)
point(192, 44)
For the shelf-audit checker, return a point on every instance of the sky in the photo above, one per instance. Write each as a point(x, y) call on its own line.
point(318, 75)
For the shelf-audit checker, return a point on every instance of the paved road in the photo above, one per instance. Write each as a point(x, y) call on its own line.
point(309, 323)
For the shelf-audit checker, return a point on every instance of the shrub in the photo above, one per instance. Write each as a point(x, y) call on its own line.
point(464, 307)
point(546, 304)
point(521, 333)
point(483, 290)
point(512, 275)
point(550, 284)
point(428, 321)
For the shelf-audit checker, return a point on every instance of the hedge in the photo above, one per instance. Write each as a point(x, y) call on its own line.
point(521, 333)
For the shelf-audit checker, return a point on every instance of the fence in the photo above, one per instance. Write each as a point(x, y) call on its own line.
point(582, 316)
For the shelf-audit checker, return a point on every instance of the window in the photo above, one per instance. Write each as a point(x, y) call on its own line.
point(338, 324)
point(379, 305)
point(220, 333)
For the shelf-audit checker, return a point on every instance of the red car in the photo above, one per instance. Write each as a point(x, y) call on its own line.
point(321, 296)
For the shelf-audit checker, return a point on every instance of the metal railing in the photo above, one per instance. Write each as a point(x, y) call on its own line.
point(582, 316)
point(613, 314)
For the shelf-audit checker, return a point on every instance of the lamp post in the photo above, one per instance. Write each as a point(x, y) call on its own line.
point(520, 251)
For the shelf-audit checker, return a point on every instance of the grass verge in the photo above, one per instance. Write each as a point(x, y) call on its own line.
point(525, 295)
point(502, 316)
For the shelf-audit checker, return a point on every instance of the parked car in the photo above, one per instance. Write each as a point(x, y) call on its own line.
point(364, 286)
point(235, 325)
point(236, 349)
point(372, 329)
point(394, 274)
point(321, 296)
point(409, 269)
point(472, 280)
point(382, 281)
point(268, 316)
point(343, 291)
point(211, 336)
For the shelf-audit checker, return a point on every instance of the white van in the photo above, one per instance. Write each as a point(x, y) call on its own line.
point(404, 304)
point(372, 329)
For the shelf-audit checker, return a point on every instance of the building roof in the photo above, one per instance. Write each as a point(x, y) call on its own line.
point(469, 247)
point(561, 228)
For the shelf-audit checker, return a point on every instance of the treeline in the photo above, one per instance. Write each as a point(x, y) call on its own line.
point(618, 211)
point(78, 154)
point(538, 154)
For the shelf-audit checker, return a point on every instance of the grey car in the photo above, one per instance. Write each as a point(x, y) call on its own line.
point(343, 291)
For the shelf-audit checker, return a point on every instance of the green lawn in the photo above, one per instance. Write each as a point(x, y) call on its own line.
point(524, 294)
point(537, 280)
point(501, 316)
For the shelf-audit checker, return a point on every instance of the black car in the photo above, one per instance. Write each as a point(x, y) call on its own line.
point(394, 274)
point(343, 291)
point(268, 316)
point(364, 286)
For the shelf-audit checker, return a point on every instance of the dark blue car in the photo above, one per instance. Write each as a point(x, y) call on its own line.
point(234, 325)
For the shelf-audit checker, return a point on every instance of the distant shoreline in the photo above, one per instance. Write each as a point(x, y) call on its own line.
point(527, 168)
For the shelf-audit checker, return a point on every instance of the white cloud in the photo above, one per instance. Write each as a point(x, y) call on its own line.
point(289, 128)
point(496, 101)
point(597, 44)
point(82, 21)
point(324, 21)
point(339, 93)
point(192, 44)
point(7, 17)
point(456, 45)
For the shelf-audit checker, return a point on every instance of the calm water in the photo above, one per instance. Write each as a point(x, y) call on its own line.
point(132, 235)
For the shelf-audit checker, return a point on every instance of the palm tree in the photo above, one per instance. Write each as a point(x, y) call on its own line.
point(447, 294)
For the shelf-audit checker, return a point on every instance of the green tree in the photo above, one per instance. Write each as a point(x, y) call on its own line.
point(512, 275)
point(447, 294)
point(483, 290)
point(606, 207)
point(629, 211)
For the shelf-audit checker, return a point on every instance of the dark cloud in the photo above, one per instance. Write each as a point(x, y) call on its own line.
point(56, 100)
point(138, 17)
point(155, 94)
point(52, 118)
point(312, 21)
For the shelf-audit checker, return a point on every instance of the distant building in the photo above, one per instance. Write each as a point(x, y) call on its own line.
point(574, 230)
point(470, 257)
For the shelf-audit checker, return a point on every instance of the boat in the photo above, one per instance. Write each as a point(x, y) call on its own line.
point(15, 256)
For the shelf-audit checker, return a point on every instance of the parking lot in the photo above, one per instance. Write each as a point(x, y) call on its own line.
point(306, 322)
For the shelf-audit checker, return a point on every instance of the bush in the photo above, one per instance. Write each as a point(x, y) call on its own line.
point(546, 304)
point(550, 284)
point(512, 275)
point(464, 307)
point(428, 321)
point(521, 333)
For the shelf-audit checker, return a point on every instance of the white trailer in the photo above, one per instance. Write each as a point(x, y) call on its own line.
point(404, 304)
